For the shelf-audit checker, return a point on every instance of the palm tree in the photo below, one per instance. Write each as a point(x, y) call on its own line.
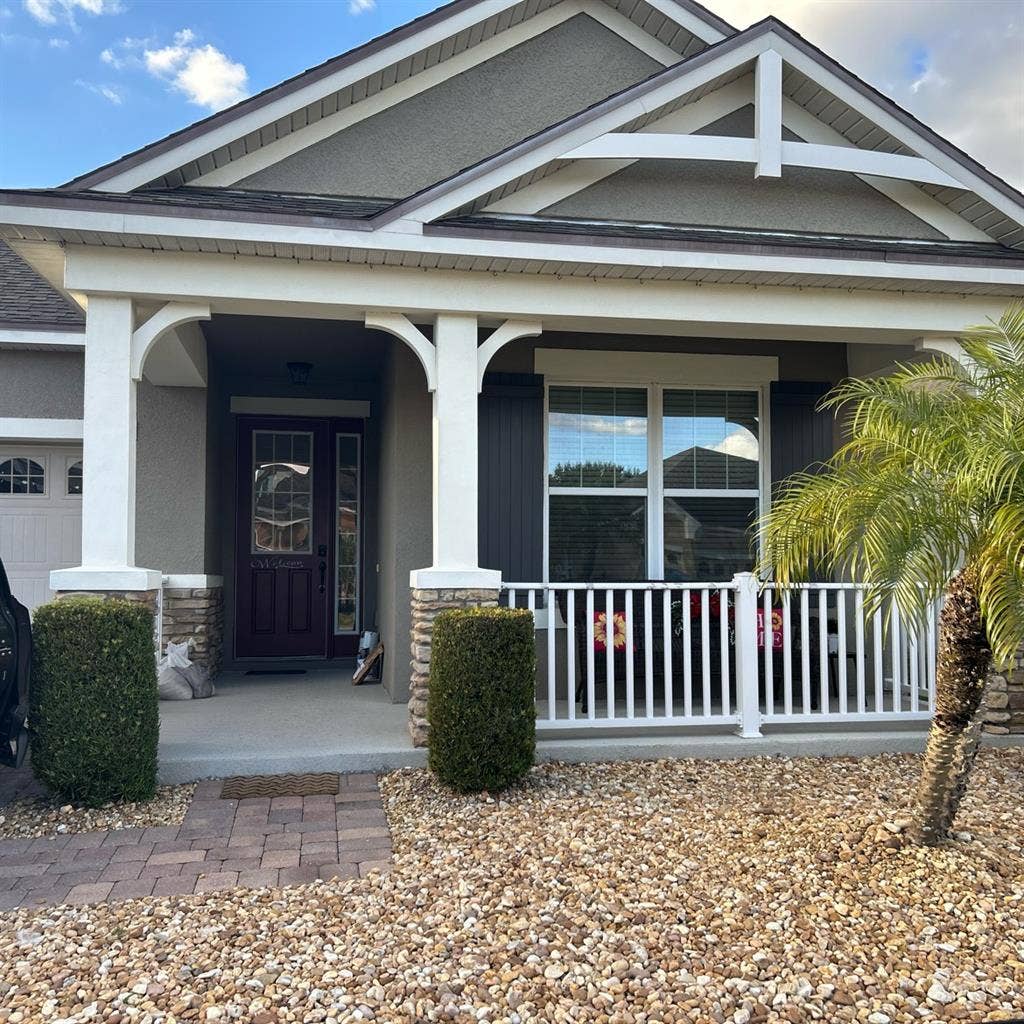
point(925, 501)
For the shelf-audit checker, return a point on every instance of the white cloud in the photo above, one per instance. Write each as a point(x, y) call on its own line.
point(357, 7)
point(954, 64)
point(50, 12)
point(206, 75)
point(59, 44)
point(108, 92)
point(740, 442)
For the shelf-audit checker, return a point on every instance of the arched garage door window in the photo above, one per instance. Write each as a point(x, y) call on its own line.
point(75, 478)
point(22, 476)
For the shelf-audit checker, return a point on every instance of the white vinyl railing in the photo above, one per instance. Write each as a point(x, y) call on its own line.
point(722, 654)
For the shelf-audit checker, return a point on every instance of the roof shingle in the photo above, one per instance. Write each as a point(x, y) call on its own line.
point(27, 300)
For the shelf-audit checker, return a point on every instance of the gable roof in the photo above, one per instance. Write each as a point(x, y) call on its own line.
point(26, 300)
point(992, 201)
point(468, 21)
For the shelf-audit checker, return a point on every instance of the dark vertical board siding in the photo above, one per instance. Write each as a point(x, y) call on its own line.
point(511, 475)
point(801, 436)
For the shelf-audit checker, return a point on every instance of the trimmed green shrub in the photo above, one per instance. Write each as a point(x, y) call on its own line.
point(93, 712)
point(481, 699)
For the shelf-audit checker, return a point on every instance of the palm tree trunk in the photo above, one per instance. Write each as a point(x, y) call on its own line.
point(962, 663)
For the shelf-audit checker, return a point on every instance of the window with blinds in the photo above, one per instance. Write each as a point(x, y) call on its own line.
point(652, 482)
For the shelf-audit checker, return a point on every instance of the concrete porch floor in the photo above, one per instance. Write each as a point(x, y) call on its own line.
point(275, 724)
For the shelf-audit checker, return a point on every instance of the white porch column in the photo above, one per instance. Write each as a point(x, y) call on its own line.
point(455, 469)
point(108, 458)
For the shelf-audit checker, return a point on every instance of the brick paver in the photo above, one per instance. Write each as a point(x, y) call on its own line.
point(220, 845)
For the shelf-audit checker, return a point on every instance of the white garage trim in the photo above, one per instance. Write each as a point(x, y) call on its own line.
point(16, 428)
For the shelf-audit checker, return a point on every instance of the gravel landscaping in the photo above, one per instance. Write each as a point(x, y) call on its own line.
point(744, 891)
point(41, 816)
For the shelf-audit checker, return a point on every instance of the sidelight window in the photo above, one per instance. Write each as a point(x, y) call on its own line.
point(348, 512)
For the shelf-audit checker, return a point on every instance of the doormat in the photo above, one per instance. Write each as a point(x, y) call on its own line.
point(276, 672)
point(243, 787)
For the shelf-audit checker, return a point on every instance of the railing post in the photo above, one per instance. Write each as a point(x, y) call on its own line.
point(747, 695)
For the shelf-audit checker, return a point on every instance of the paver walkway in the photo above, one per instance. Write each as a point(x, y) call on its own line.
point(220, 844)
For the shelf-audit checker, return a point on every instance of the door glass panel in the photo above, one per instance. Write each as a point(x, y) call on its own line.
point(282, 510)
point(346, 583)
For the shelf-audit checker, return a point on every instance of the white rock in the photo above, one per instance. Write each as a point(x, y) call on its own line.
point(939, 994)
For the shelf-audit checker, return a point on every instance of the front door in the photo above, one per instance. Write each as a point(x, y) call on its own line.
point(284, 538)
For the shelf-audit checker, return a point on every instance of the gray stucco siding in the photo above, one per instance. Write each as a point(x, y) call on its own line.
point(712, 193)
point(466, 118)
point(170, 479)
point(405, 510)
point(41, 385)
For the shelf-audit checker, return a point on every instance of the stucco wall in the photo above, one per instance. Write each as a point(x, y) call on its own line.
point(170, 480)
point(41, 385)
point(405, 506)
point(722, 194)
point(466, 118)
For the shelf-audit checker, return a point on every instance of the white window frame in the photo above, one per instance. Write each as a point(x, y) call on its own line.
point(69, 461)
point(42, 460)
point(655, 492)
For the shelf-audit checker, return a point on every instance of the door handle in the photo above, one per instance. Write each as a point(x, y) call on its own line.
point(323, 577)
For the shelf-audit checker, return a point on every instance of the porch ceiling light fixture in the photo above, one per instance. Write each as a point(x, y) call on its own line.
point(299, 372)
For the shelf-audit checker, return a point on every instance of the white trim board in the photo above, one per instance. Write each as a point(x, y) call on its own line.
point(555, 142)
point(686, 368)
point(531, 251)
point(341, 408)
point(27, 336)
point(190, 581)
point(581, 174)
point(16, 428)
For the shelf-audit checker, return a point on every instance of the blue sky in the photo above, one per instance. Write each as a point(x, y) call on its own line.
point(65, 109)
point(85, 81)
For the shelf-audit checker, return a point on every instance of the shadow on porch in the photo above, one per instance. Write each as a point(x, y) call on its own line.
point(274, 724)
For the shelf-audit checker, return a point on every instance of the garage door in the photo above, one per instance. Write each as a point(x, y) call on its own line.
point(40, 516)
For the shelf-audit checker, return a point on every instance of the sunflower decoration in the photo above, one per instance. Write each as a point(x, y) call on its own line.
point(601, 631)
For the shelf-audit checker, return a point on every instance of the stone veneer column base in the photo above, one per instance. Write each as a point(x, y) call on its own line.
point(146, 597)
point(197, 614)
point(1005, 700)
point(426, 605)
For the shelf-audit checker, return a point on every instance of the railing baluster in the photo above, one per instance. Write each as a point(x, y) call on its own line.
point(897, 659)
point(841, 653)
point(723, 626)
point(914, 664)
point(629, 654)
point(589, 628)
point(932, 630)
point(787, 653)
point(823, 649)
point(685, 617)
point(879, 664)
point(858, 624)
point(609, 650)
point(530, 602)
point(552, 696)
point(511, 599)
point(805, 650)
point(705, 650)
point(648, 655)
point(768, 637)
point(666, 617)
point(570, 652)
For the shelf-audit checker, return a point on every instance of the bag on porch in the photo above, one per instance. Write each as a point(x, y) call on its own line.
point(179, 678)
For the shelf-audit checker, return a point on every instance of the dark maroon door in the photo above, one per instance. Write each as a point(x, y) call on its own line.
point(285, 538)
